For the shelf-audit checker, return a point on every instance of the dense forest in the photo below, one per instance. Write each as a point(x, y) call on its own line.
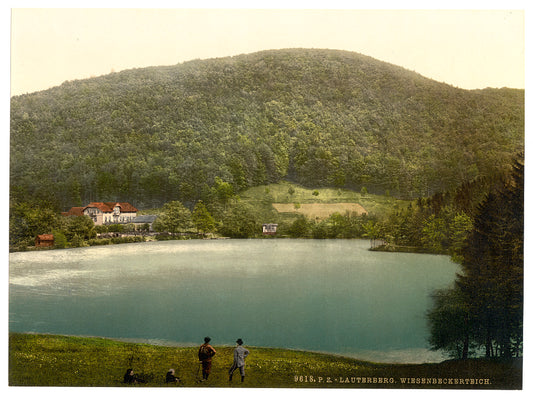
point(319, 118)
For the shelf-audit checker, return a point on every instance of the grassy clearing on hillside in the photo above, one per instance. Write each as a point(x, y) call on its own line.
point(289, 193)
point(50, 360)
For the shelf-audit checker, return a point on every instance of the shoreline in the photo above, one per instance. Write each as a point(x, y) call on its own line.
point(381, 248)
point(365, 355)
point(404, 249)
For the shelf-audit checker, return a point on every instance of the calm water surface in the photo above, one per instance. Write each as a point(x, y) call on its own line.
point(321, 295)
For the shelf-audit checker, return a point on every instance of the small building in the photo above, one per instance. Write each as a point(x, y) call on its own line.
point(44, 240)
point(143, 220)
point(270, 228)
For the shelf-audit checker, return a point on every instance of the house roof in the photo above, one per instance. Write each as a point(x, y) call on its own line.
point(107, 207)
point(74, 211)
point(46, 237)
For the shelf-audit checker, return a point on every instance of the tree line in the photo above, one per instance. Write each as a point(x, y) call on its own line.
point(438, 224)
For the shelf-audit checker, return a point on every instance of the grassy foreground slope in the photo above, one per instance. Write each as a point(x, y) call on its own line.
point(51, 360)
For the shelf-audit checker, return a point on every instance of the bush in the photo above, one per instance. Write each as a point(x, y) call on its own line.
point(115, 240)
point(99, 229)
point(299, 228)
point(320, 230)
point(77, 241)
point(99, 241)
point(60, 240)
point(115, 228)
point(127, 240)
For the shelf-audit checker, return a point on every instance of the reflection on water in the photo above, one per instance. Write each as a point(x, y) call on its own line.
point(322, 295)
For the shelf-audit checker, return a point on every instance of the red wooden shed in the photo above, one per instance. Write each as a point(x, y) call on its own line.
point(44, 240)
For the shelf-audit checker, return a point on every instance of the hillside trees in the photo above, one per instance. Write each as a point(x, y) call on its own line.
point(316, 117)
point(437, 224)
point(26, 221)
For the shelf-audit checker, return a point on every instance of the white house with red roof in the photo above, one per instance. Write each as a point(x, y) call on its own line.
point(106, 212)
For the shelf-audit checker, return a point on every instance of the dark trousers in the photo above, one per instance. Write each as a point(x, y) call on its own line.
point(206, 368)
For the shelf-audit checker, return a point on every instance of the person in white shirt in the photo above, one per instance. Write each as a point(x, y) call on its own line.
point(239, 354)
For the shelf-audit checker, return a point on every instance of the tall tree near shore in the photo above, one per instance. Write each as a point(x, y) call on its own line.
point(174, 218)
point(487, 300)
point(202, 219)
point(239, 221)
point(493, 268)
point(449, 327)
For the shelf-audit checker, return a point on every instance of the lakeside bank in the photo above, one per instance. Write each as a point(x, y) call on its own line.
point(56, 360)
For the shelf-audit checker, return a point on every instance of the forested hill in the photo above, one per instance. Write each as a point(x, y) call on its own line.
point(315, 117)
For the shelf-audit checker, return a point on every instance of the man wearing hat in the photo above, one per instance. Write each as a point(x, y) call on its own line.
point(239, 354)
point(205, 355)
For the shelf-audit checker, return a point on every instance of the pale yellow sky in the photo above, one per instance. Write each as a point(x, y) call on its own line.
point(467, 49)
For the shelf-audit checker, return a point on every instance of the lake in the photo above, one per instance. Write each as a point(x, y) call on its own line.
point(331, 296)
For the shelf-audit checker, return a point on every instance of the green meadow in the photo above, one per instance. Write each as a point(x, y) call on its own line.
point(262, 198)
point(53, 360)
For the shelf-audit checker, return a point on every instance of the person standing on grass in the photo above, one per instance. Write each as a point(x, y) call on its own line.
point(205, 355)
point(239, 354)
